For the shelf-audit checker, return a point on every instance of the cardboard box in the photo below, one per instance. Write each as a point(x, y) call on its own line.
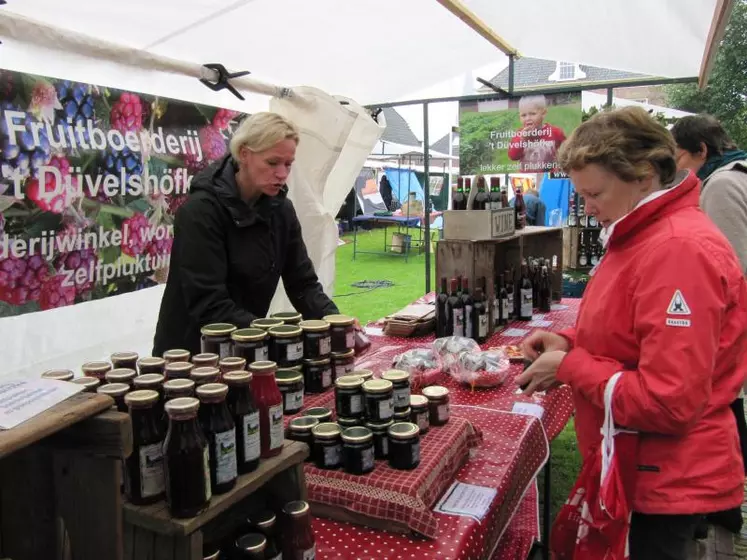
point(479, 225)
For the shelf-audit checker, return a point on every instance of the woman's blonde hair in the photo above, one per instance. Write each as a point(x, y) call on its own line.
point(627, 142)
point(262, 131)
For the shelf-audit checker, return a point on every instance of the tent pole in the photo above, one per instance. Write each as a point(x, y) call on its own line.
point(610, 96)
point(510, 74)
point(427, 199)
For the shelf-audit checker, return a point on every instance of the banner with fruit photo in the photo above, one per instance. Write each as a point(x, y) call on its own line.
point(90, 179)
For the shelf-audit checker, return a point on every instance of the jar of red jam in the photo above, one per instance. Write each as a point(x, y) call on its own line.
point(266, 324)
point(217, 425)
point(419, 413)
point(216, 339)
point(317, 375)
point(232, 363)
point(117, 391)
point(342, 329)
point(349, 396)
point(246, 418)
point(265, 522)
point(290, 384)
point(342, 363)
point(317, 342)
point(299, 543)
point(378, 396)
point(364, 374)
point(58, 374)
point(380, 431)
point(251, 344)
point(401, 383)
point(288, 317)
point(404, 446)
point(178, 388)
point(121, 375)
point(178, 370)
point(90, 384)
point(176, 355)
point(299, 429)
point(286, 345)
point(252, 546)
point(144, 472)
point(96, 369)
point(321, 413)
point(124, 360)
point(151, 364)
point(205, 374)
point(205, 359)
point(187, 460)
point(270, 405)
point(327, 446)
point(438, 404)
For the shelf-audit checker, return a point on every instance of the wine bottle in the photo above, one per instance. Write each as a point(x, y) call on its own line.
point(468, 306)
point(494, 198)
point(441, 314)
point(526, 305)
point(479, 317)
point(545, 291)
point(455, 308)
point(459, 202)
point(504, 303)
point(481, 198)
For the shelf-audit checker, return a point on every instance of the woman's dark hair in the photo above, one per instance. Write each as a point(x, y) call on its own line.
point(690, 132)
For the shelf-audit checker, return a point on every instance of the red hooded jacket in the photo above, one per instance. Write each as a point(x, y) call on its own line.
point(667, 306)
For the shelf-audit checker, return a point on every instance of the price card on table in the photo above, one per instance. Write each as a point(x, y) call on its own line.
point(558, 307)
point(22, 399)
point(467, 500)
point(540, 323)
point(515, 332)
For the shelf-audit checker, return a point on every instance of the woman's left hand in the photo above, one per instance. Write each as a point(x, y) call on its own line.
point(541, 374)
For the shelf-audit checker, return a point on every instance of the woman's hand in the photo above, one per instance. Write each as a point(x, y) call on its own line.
point(540, 342)
point(540, 376)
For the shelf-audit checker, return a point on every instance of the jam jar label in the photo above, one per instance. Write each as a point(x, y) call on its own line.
point(402, 397)
point(225, 456)
point(385, 445)
point(252, 446)
point(482, 329)
point(206, 467)
point(225, 349)
point(415, 452)
point(295, 351)
point(356, 404)
point(386, 409)
point(350, 339)
point(294, 401)
point(367, 458)
point(261, 354)
point(332, 455)
point(151, 470)
point(423, 423)
point(326, 378)
point(276, 426)
point(443, 412)
point(309, 554)
point(325, 346)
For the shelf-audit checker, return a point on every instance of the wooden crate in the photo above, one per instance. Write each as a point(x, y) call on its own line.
point(479, 225)
point(150, 531)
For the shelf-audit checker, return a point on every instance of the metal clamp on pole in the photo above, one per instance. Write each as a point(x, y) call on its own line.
point(215, 76)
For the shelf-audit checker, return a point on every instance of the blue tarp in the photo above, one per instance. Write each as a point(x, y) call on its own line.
point(402, 181)
point(555, 194)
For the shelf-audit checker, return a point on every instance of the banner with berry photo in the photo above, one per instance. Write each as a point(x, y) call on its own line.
point(90, 179)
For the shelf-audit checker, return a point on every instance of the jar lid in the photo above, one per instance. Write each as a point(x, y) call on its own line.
point(149, 380)
point(318, 412)
point(379, 426)
point(287, 316)
point(182, 367)
point(58, 374)
point(314, 325)
point(403, 430)
point(233, 361)
point(357, 434)
point(119, 375)
point(296, 508)
point(205, 357)
point(114, 389)
point(182, 405)
point(124, 356)
point(218, 329)
point(151, 361)
point(96, 366)
point(263, 367)
point(349, 382)
point(285, 331)
point(263, 520)
point(177, 353)
point(435, 392)
point(178, 385)
point(395, 375)
point(348, 422)
point(237, 377)
point(326, 430)
point(266, 323)
point(288, 376)
point(212, 391)
point(87, 381)
point(364, 374)
point(377, 386)
point(339, 320)
point(251, 542)
point(405, 414)
point(142, 397)
point(249, 335)
point(303, 424)
point(319, 362)
point(418, 401)
point(204, 372)
point(343, 355)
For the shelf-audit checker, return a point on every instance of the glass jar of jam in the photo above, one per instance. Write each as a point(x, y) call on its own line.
point(438, 404)
point(402, 415)
point(96, 369)
point(246, 418)
point(265, 522)
point(121, 375)
point(357, 450)
point(178, 370)
point(210, 552)
point(216, 339)
point(290, 383)
point(144, 480)
point(251, 344)
point(176, 355)
point(58, 374)
point(288, 317)
point(206, 359)
point(151, 364)
point(177, 388)
point(124, 360)
point(317, 375)
point(404, 446)
point(217, 425)
point(252, 546)
point(117, 391)
point(380, 431)
point(349, 422)
point(317, 342)
point(327, 446)
point(187, 460)
point(90, 384)
point(299, 429)
point(364, 374)
point(401, 382)
point(299, 543)
point(286, 345)
point(204, 374)
point(270, 405)
point(232, 363)
point(266, 324)
point(154, 382)
point(419, 413)
point(342, 329)
point(379, 400)
point(342, 363)
point(349, 396)
point(321, 413)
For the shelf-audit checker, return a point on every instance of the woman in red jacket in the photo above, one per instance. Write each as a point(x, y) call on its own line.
point(667, 307)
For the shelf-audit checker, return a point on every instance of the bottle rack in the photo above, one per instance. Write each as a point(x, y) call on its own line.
point(581, 247)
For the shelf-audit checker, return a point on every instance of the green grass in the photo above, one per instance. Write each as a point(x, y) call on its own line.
point(409, 284)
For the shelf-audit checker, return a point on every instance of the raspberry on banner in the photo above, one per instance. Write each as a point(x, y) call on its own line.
point(54, 197)
point(135, 235)
point(21, 279)
point(213, 143)
point(160, 247)
point(127, 113)
point(55, 293)
point(72, 262)
point(223, 118)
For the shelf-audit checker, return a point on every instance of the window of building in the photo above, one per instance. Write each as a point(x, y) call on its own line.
point(567, 71)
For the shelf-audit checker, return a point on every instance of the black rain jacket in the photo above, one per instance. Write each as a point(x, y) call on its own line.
point(227, 259)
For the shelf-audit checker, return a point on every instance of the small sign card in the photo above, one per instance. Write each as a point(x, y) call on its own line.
point(515, 332)
point(558, 307)
point(467, 500)
point(22, 399)
point(540, 323)
point(530, 409)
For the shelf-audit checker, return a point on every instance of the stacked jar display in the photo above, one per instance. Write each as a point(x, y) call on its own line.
point(317, 349)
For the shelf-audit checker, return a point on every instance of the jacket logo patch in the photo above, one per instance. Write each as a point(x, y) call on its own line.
point(648, 468)
point(678, 322)
point(678, 305)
